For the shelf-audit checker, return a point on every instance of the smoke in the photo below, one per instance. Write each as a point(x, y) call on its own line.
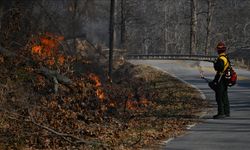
point(97, 31)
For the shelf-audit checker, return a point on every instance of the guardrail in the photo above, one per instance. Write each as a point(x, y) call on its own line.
point(171, 57)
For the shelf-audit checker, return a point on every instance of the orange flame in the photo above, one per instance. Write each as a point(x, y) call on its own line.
point(36, 49)
point(50, 43)
point(61, 59)
point(96, 79)
point(100, 94)
point(46, 47)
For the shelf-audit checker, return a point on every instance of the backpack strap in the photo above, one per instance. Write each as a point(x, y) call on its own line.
point(228, 64)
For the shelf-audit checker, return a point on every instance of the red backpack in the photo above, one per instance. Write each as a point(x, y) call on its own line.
point(230, 75)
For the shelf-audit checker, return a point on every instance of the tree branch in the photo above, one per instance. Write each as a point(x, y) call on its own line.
point(51, 74)
point(64, 135)
point(202, 12)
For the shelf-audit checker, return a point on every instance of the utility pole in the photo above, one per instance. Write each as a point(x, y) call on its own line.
point(111, 36)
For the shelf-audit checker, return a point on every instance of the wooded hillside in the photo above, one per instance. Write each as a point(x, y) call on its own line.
point(159, 26)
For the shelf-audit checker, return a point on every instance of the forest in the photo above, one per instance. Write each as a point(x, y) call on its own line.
point(65, 82)
point(159, 26)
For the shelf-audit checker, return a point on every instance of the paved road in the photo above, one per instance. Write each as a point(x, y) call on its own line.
point(226, 134)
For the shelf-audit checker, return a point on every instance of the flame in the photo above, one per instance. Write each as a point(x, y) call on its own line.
point(46, 47)
point(50, 43)
point(61, 59)
point(100, 94)
point(36, 49)
point(96, 79)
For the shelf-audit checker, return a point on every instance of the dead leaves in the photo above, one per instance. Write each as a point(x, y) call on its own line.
point(44, 48)
point(130, 113)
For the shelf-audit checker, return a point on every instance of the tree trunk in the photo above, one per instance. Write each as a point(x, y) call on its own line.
point(165, 28)
point(111, 36)
point(210, 10)
point(193, 26)
point(1, 13)
point(74, 24)
point(123, 24)
point(116, 32)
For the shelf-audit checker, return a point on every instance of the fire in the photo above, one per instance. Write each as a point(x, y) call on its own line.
point(61, 59)
point(45, 48)
point(49, 43)
point(96, 79)
point(100, 94)
point(37, 49)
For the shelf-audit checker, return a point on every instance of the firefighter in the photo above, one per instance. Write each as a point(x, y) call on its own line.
point(219, 83)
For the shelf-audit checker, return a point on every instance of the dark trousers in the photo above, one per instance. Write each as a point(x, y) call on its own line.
point(222, 99)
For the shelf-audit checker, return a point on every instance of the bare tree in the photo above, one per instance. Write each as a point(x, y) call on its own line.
point(165, 28)
point(193, 26)
point(74, 10)
point(210, 10)
point(123, 24)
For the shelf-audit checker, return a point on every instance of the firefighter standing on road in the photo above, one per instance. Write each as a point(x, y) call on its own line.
point(219, 84)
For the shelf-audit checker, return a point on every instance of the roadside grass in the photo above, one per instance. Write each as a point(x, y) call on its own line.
point(177, 106)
